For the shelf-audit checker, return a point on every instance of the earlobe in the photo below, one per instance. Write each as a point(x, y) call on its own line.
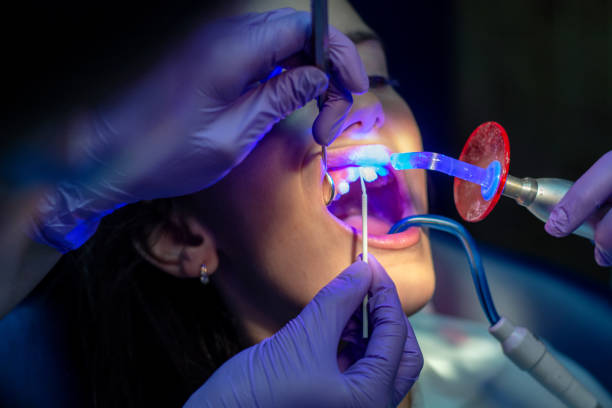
point(181, 254)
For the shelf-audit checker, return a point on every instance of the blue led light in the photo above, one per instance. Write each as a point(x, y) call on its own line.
point(487, 178)
point(382, 171)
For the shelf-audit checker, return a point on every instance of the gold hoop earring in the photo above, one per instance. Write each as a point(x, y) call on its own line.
point(204, 278)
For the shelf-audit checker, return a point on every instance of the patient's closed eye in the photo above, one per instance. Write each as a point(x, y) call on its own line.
point(379, 81)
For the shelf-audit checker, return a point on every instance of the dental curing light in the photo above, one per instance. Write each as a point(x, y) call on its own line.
point(481, 178)
point(518, 343)
point(480, 173)
point(489, 143)
point(487, 178)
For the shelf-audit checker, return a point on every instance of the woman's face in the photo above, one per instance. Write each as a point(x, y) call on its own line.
point(278, 242)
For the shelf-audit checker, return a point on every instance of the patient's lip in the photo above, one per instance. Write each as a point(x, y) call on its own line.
point(348, 156)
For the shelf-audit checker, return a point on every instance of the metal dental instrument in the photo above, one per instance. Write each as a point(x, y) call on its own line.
point(518, 343)
point(320, 48)
point(489, 142)
point(364, 240)
point(541, 195)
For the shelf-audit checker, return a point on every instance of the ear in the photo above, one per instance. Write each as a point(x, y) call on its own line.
point(181, 251)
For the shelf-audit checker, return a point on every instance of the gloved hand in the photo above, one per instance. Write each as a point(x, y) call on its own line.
point(299, 365)
point(589, 192)
point(197, 115)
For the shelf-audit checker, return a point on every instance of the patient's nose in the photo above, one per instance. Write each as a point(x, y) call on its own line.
point(365, 115)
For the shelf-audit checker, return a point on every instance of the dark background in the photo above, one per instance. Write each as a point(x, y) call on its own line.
point(542, 69)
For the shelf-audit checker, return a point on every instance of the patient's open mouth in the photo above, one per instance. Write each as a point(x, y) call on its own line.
point(388, 200)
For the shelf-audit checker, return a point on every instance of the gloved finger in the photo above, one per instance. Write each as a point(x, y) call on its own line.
point(348, 76)
point(248, 48)
point(351, 353)
point(263, 106)
point(410, 366)
point(259, 18)
point(346, 65)
point(583, 198)
point(352, 345)
point(257, 49)
point(386, 343)
point(329, 311)
point(603, 241)
point(353, 331)
point(328, 123)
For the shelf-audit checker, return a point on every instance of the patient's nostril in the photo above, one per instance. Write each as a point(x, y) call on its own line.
point(365, 118)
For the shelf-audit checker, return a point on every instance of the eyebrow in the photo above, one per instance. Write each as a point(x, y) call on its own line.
point(358, 37)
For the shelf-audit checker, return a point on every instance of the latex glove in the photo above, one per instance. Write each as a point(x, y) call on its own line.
point(197, 115)
point(590, 192)
point(299, 365)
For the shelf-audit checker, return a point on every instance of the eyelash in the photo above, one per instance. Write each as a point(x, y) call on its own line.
point(379, 81)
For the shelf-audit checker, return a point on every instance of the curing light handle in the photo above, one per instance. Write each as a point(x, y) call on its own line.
point(531, 355)
point(541, 195)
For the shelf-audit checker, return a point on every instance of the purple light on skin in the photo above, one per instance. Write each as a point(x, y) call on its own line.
point(363, 135)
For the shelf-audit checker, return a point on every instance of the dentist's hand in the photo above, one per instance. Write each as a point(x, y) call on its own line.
point(300, 367)
point(589, 193)
point(197, 115)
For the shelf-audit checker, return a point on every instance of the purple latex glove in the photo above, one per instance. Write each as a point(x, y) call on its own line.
point(196, 115)
point(589, 193)
point(300, 366)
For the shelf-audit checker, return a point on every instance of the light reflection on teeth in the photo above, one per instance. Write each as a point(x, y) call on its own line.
point(382, 171)
point(349, 175)
point(343, 188)
point(352, 174)
point(369, 174)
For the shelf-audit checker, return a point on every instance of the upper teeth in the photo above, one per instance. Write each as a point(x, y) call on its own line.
point(370, 174)
point(343, 188)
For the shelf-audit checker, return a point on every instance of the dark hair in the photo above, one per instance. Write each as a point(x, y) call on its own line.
point(146, 338)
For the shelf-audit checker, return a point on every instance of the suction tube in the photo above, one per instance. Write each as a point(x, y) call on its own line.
point(518, 343)
point(454, 228)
